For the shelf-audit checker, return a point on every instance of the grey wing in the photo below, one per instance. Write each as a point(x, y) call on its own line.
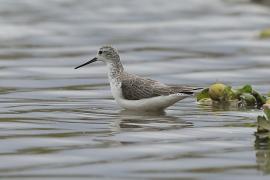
point(138, 88)
point(135, 88)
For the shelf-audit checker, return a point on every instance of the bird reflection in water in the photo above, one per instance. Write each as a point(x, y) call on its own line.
point(150, 121)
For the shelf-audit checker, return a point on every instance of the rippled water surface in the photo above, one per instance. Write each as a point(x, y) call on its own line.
point(60, 123)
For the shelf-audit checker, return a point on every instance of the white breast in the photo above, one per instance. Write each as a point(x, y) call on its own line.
point(116, 90)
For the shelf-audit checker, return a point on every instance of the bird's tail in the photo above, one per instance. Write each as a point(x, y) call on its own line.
point(191, 91)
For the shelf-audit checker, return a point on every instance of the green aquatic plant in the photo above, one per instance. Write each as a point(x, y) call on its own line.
point(219, 93)
point(264, 121)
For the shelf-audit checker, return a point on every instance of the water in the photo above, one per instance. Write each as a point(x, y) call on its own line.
point(61, 123)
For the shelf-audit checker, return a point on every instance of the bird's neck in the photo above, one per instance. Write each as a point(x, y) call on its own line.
point(115, 70)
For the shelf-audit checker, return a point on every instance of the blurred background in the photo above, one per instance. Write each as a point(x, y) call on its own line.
point(59, 123)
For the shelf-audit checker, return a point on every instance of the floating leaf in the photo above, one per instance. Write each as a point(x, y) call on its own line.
point(203, 94)
point(228, 94)
point(248, 99)
point(267, 113)
point(263, 124)
point(265, 33)
point(206, 101)
point(261, 100)
point(245, 89)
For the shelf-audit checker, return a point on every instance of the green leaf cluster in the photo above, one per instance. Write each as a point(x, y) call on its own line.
point(245, 96)
point(264, 121)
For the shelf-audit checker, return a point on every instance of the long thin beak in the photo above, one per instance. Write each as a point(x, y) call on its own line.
point(88, 62)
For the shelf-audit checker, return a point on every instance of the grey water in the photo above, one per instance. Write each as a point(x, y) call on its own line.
point(61, 123)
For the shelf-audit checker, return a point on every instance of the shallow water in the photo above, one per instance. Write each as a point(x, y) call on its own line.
point(59, 123)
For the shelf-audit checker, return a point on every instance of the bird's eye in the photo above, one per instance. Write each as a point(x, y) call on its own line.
point(99, 52)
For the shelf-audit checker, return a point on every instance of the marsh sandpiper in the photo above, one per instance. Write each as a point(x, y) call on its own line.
point(133, 92)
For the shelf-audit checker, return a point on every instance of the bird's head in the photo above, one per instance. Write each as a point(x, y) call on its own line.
point(106, 54)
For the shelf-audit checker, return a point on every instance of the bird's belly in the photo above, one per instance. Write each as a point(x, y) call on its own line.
point(146, 104)
point(150, 104)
